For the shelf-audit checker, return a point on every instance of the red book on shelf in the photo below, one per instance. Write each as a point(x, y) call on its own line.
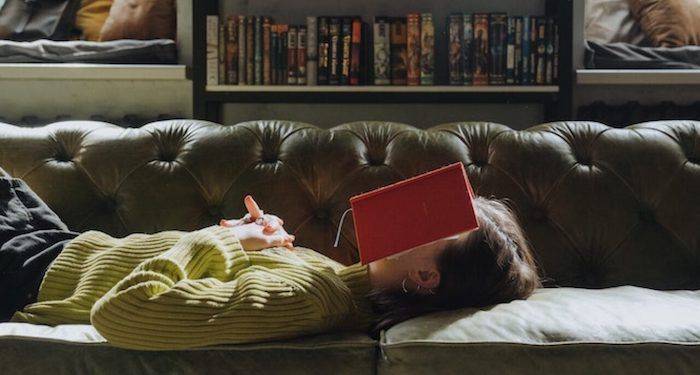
point(413, 212)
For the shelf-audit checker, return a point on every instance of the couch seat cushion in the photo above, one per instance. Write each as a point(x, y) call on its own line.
point(558, 330)
point(80, 349)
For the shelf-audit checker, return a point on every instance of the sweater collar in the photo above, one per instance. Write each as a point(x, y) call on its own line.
point(356, 277)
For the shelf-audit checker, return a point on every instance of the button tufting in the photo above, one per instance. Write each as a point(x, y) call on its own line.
point(63, 156)
point(109, 204)
point(646, 215)
point(215, 211)
point(322, 214)
point(539, 214)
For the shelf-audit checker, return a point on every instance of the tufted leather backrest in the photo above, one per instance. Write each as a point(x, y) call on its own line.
point(601, 206)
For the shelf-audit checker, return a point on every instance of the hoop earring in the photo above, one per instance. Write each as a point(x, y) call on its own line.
point(403, 286)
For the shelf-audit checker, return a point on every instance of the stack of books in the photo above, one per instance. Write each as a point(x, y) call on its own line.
point(494, 49)
point(482, 49)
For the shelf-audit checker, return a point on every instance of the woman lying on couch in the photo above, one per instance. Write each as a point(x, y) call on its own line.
point(240, 281)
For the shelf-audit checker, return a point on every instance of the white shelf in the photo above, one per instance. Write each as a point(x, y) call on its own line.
point(384, 89)
point(103, 72)
point(638, 77)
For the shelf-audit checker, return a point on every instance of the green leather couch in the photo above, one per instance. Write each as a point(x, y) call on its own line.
point(613, 215)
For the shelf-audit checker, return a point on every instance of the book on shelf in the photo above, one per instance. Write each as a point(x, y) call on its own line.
point(480, 76)
point(292, 35)
point(413, 49)
point(345, 46)
point(541, 59)
point(454, 48)
point(397, 37)
point(497, 31)
point(467, 48)
point(382, 55)
point(301, 55)
point(356, 51)
point(510, 52)
point(241, 51)
point(323, 50)
point(427, 49)
point(480, 49)
point(231, 50)
point(311, 51)
point(334, 55)
point(266, 47)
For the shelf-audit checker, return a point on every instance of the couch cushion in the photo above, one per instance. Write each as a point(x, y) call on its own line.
point(577, 331)
point(80, 349)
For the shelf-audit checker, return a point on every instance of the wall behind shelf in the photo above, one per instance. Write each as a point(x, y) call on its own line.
point(517, 116)
point(422, 115)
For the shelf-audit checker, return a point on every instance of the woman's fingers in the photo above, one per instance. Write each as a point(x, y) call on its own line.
point(252, 207)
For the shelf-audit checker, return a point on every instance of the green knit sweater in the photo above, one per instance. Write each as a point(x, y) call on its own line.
point(174, 290)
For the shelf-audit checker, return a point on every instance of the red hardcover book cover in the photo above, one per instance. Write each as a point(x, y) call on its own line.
point(413, 212)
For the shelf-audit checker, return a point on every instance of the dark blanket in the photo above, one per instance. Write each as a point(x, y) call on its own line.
point(125, 51)
point(629, 56)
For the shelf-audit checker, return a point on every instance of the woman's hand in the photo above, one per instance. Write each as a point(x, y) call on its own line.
point(253, 238)
point(269, 225)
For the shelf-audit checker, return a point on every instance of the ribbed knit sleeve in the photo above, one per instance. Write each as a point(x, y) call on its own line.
point(186, 297)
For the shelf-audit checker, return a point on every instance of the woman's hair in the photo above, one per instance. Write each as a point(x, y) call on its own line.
point(487, 266)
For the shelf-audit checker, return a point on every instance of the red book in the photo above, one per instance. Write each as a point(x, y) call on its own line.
point(413, 212)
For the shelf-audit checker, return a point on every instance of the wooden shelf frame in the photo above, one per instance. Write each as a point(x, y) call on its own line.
point(638, 77)
point(81, 71)
point(557, 100)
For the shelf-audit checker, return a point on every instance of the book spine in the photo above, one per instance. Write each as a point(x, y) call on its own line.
point(282, 73)
point(231, 51)
point(311, 51)
point(525, 43)
point(555, 64)
point(532, 73)
point(346, 44)
point(222, 53)
point(497, 31)
point(366, 66)
point(454, 48)
point(356, 50)
point(427, 50)
point(413, 49)
point(323, 50)
point(292, 34)
point(258, 50)
point(266, 68)
point(334, 51)
point(518, 40)
point(274, 40)
point(398, 50)
point(549, 42)
point(481, 49)
point(250, 49)
point(541, 51)
point(301, 55)
point(467, 49)
point(510, 52)
point(212, 50)
point(382, 56)
point(241, 51)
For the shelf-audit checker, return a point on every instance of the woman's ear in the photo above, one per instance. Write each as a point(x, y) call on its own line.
point(425, 277)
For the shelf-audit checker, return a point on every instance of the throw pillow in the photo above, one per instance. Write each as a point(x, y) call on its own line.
point(611, 21)
point(669, 23)
point(91, 16)
point(140, 19)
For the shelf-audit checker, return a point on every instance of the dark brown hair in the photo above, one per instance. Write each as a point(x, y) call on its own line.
point(487, 266)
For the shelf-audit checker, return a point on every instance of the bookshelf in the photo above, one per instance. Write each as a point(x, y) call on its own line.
point(209, 99)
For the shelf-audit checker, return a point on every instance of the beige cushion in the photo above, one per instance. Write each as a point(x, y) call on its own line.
point(669, 23)
point(622, 330)
point(140, 19)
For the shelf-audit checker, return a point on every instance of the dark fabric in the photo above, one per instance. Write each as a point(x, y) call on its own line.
point(31, 237)
point(25, 20)
point(158, 51)
point(629, 56)
point(601, 206)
